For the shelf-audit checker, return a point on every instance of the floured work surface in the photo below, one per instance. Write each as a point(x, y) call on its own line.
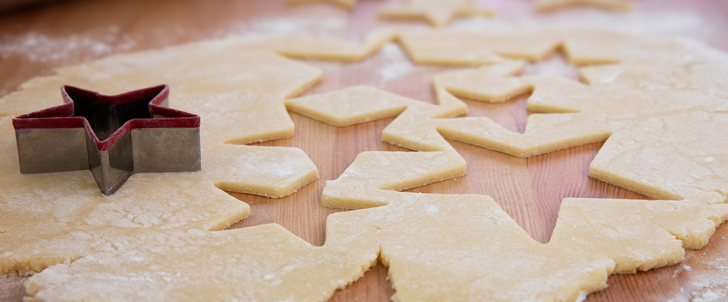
point(425, 208)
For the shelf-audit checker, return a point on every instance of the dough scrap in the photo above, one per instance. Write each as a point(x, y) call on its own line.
point(437, 13)
point(59, 217)
point(549, 5)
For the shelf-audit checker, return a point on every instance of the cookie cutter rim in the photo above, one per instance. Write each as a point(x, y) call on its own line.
point(61, 138)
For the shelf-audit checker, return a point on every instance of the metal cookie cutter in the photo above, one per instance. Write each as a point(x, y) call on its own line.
point(113, 136)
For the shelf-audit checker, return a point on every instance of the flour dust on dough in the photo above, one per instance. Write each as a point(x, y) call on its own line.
point(56, 218)
point(635, 92)
point(465, 247)
point(660, 104)
point(437, 247)
point(262, 263)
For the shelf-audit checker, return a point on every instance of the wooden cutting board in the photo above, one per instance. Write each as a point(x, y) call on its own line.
point(36, 39)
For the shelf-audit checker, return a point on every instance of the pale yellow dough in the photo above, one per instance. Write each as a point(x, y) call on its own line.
point(651, 83)
point(304, 47)
point(466, 248)
point(59, 217)
point(438, 13)
point(662, 106)
point(549, 5)
point(437, 247)
point(464, 48)
point(263, 263)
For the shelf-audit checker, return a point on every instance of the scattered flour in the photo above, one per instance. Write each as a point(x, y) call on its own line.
point(710, 297)
point(316, 27)
point(395, 70)
point(60, 50)
point(396, 63)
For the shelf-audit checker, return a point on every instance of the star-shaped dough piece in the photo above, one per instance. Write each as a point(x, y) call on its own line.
point(549, 5)
point(438, 13)
point(60, 217)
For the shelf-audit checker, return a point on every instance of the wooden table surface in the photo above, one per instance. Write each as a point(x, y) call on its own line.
point(36, 39)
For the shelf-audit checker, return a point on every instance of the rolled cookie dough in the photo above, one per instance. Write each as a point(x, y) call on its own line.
point(59, 217)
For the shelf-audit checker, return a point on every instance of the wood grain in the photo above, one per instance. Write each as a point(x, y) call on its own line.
point(530, 190)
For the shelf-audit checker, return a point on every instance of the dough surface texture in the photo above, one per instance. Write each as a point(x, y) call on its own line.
point(59, 217)
point(660, 104)
point(438, 13)
point(466, 248)
point(437, 247)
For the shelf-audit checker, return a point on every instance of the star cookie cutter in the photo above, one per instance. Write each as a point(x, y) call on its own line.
point(113, 136)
